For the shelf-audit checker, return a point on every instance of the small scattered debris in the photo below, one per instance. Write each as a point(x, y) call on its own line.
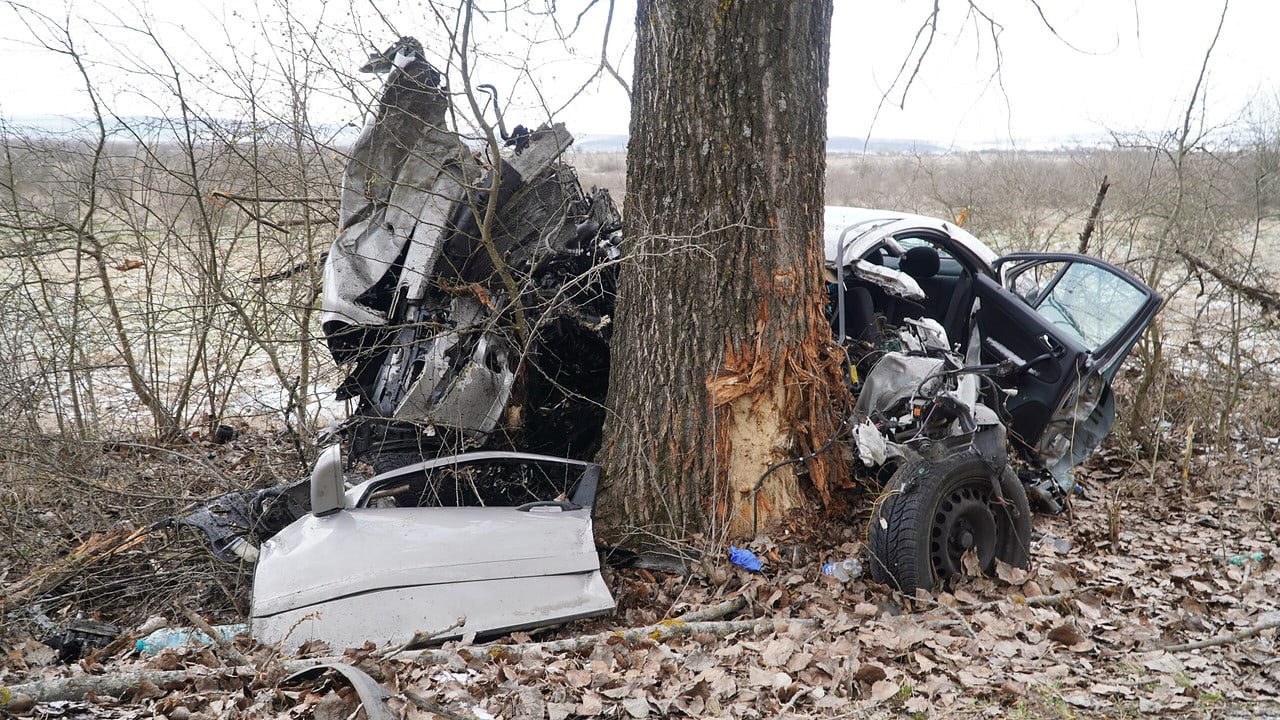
point(745, 559)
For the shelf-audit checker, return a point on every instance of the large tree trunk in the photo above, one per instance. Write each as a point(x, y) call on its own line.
point(721, 355)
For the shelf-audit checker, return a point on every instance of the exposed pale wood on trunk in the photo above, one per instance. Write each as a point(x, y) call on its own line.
point(721, 359)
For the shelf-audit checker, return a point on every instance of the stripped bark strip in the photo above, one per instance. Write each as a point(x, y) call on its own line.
point(98, 547)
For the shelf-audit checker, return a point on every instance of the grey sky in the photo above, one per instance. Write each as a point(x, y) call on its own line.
point(1117, 65)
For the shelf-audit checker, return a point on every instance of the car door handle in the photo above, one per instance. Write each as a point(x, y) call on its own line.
point(1056, 349)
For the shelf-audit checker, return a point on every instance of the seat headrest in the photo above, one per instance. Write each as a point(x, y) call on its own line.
point(920, 262)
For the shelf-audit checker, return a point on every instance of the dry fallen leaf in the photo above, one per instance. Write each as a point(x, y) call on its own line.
point(636, 707)
point(870, 673)
point(1067, 634)
point(1012, 575)
point(591, 704)
point(884, 689)
point(777, 653)
point(916, 704)
point(1083, 699)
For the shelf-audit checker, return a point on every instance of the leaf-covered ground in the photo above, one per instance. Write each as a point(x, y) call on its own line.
point(1154, 595)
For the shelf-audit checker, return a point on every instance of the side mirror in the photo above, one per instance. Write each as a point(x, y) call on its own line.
point(328, 491)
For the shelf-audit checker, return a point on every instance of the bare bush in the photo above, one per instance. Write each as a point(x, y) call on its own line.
point(162, 271)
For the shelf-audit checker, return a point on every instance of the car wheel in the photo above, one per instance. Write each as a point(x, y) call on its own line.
point(933, 513)
point(388, 461)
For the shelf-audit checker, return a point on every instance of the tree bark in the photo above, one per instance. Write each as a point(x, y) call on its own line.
point(722, 363)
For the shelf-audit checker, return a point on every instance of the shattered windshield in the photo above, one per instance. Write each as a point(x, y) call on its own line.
point(1090, 304)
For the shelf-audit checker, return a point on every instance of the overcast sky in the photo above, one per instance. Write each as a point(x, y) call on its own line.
point(1123, 65)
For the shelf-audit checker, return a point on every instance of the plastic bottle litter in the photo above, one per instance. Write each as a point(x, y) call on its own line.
point(844, 571)
point(1240, 559)
point(243, 549)
point(177, 637)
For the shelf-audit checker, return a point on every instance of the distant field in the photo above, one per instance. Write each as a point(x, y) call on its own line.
point(199, 256)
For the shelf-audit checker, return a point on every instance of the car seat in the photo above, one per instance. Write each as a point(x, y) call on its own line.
point(921, 263)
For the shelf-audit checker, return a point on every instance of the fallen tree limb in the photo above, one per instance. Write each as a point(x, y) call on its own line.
point(715, 612)
point(1266, 299)
point(119, 684)
point(77, 688)
point(1029, 601)
point(1045, 600)
point(1225, 639)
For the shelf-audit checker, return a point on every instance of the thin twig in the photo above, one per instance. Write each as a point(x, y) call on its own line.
point(226, 647)
point(420, 638)
point(1225, 639)
point(963, 621)
point(441, 710)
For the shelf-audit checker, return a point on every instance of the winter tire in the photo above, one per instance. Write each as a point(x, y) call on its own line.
point(933, 512)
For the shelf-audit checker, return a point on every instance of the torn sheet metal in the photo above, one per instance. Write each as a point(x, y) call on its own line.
point(372, 569)
point(372, 695)
point(895, 379)
point(895, 282)
point(403, 175)
point(454, 268)
point(873, 448)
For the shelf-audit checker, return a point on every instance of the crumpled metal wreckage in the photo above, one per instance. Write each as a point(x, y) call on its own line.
point(469, 300)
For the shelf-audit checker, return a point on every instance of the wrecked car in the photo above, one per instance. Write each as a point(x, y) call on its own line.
point(468, 296)
point(980, 380)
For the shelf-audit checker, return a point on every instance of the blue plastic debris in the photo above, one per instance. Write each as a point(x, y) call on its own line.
point(1240, 559)
point(745, 559)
